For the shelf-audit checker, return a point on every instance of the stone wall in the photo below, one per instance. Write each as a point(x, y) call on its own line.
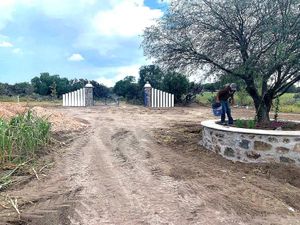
point(89, 97)
point(250, 147)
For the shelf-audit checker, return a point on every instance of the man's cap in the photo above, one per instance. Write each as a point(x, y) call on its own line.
point(233, 86)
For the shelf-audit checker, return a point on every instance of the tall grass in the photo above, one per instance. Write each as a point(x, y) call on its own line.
point(22, 136)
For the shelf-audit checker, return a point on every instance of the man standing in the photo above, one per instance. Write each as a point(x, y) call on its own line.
point(223, 97)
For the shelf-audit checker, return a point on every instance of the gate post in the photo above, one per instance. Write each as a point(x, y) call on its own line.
point(147, 94)
point(89, 99)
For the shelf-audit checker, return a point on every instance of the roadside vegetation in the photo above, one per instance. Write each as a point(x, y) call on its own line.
point(22, 139)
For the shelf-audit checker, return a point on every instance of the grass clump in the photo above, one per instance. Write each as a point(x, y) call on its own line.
point(22, 136)
point(249, 124)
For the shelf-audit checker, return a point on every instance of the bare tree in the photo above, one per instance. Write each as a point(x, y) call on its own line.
point(257, 41)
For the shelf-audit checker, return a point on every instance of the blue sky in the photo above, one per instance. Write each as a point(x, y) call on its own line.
point(92, 39)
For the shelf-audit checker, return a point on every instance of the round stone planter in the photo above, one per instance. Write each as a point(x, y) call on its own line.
point(252, 145)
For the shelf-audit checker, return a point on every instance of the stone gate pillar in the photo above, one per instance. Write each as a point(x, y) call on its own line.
point(89, 97)
point(147, 94)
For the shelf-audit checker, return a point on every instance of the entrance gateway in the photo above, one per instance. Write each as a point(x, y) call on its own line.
point(81, 97)
point(154, 98)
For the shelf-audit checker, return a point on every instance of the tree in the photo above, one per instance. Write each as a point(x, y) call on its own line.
point(100, 90)
point(256, 41)
point(194, 90)
point(151, 73)
point(175, 83)
point(22, 88)
point(53, 89)
point(42, 85)
point(127, 88)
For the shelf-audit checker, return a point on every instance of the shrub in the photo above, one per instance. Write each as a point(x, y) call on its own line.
point(22, 136)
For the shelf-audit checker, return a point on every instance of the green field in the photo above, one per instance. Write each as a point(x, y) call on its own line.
point(287, 101)
point(29, 101)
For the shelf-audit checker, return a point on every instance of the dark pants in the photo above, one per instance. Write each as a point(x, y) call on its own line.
point(226, 109)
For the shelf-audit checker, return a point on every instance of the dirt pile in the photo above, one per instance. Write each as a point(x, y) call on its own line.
point(8, 110)
point(60, 122)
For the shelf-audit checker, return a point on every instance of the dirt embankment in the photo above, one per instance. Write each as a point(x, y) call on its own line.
point(59, 121)
point(140, 166)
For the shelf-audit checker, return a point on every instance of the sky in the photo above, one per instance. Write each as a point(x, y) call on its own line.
point(91, 39)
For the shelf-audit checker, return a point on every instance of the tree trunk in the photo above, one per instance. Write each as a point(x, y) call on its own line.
point(262, 108)
point(262, 103)
point(262, 113)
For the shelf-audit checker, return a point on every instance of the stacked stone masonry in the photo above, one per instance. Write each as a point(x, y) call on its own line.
point(249, 147)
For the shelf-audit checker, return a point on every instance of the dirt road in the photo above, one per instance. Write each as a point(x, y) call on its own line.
point(140, 166)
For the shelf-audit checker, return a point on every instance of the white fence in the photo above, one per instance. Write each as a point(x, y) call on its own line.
point(161, 99)
point(75, 98)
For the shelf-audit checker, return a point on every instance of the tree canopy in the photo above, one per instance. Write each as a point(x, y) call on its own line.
point(256, 41)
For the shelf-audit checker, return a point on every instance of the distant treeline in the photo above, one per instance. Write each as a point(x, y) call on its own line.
point(51, 85)
point(130, 89)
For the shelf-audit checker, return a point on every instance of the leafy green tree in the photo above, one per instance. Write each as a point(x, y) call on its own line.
point(211, 87)
point(175, 83)
point(153, 74)
point(194, 90)
point(62, 86)
point(256, 41)
point(42, 84)
point(53, 90)
point(100, 90)
point(23, 88)
point(6, 89)
point(127, 88)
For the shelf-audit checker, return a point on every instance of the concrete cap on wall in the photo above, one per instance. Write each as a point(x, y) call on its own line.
point(147, 85)
point(89, 85)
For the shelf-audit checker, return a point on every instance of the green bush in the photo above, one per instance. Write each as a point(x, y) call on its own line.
point(250, 124)
point(22, 136)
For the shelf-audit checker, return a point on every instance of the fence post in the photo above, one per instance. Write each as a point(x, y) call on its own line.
point(152, 97)
point(79, 97)
point(89, 99)
point(147, 95)
point(167, 99)
point(75, 98)
point(83, 96)
point(70, 99)
point(67, 99)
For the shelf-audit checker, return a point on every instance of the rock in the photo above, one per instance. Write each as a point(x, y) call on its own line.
point(244, 144)
point(286, 160)
point(286, 140)
point(262, 146)
point(297, 147)
point(253, 155)
point(282, 150)
point(219, 135)
point(251, 136)
point(229, 152)
point(273, 140)
point(217, 149)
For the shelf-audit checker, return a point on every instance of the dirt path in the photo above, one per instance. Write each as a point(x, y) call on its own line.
point(141, 166)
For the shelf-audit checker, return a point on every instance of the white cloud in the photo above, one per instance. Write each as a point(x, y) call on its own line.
point(76, 57)
point(120, 74)
point(8, 7)
point(6, 44)
point(17, 51)
point(127, 18)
